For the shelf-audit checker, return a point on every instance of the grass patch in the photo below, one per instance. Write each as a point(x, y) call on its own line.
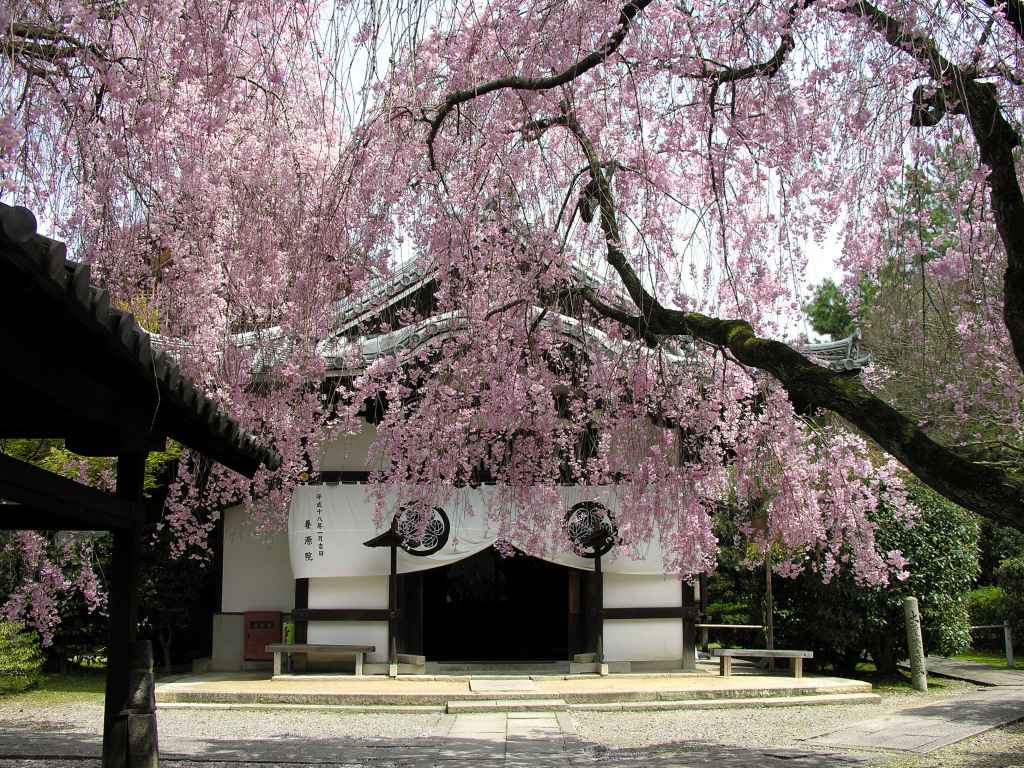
point(86, 686)
point(894, 681)
point(992, 658)
point(884, 681)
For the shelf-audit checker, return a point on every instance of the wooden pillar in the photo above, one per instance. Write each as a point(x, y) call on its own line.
point(769, 610)
point(121, 625)
point(702, 609)
point(599, 603)
point(393, 613)
point(142, 733)
point(690, 612)
point(301, 603)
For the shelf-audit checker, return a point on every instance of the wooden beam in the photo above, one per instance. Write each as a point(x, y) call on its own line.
point(666, 612)
point(110, 397)
point(301, 603)
point(691, 612)
point(342, 614)
point(22, 517)
point(56, 328)
point(64, 499)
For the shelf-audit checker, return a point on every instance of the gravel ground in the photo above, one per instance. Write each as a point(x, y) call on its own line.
point(757, 727)
point(637, 737)
point(289, 723)
point(17, 713)
point(225, 723)
point(1002, 748)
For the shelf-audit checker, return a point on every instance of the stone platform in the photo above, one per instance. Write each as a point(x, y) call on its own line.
point(467, 692)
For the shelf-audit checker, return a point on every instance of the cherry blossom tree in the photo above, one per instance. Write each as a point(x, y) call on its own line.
point(617, 201)
point(696, 149)
point(185, 150)
point(691, 153)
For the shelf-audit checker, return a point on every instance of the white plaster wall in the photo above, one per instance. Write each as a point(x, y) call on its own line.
point(257, 576)
point(643, 591)
point(643, 640)
point(349, 452)
point(373, 633)
point(349, 592)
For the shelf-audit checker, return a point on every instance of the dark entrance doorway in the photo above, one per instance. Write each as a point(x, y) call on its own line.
point(490, 608)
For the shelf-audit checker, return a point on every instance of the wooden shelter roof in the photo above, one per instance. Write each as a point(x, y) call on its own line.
point(74, 368)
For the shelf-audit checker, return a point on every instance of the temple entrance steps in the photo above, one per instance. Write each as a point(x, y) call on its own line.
point(504, 693)
point(488, 668)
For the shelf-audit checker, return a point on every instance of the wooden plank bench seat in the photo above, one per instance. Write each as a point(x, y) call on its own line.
point(304, 649)
point(726, 655)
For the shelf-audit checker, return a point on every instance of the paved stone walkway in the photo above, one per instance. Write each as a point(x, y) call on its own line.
point(926, 729)
point(982, 674)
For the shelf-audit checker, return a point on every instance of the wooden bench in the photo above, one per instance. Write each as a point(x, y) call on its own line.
point(796, 658)
point(302, 650)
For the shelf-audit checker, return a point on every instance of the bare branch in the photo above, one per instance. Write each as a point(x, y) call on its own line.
point(452, 100)
point(766, 68)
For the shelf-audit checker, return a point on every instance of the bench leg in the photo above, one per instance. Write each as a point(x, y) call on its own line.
point(798, 667)
point(277, 663)
point(359, 664)
point(725, 666)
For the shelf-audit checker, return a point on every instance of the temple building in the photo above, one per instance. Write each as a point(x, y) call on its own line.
point(440, 594)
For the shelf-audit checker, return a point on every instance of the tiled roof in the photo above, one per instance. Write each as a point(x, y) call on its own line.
point(842, 355)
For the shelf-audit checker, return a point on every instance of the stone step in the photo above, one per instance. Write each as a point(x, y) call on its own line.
point(773, 701)
point(521, 701)
point(477, 668)
point(475, 706)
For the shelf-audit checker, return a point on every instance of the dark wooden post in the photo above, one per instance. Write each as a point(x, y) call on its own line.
point(769, 610)
point(121, 624)
point(599, 603)
point(702, 608)
point(690, 611)
point(393, 614)
point(301, 603)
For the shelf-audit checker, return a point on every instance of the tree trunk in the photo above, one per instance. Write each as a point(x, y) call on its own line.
point(883, 654)
point(165, 635)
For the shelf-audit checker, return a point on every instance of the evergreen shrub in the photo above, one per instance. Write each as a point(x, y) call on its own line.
point(1010, 576)
point(986, 606)
point(21, 658)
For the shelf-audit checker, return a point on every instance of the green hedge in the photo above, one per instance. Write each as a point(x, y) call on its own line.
point(1010, 576)
point(733, 613)
point(21, 659)
point(987, 606)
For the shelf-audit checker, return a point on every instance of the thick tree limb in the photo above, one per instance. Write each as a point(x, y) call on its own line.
point(766, 68)
point(986, 490)
point(58, 45)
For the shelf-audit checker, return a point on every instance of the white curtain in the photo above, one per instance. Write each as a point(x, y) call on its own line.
point(327, 525)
